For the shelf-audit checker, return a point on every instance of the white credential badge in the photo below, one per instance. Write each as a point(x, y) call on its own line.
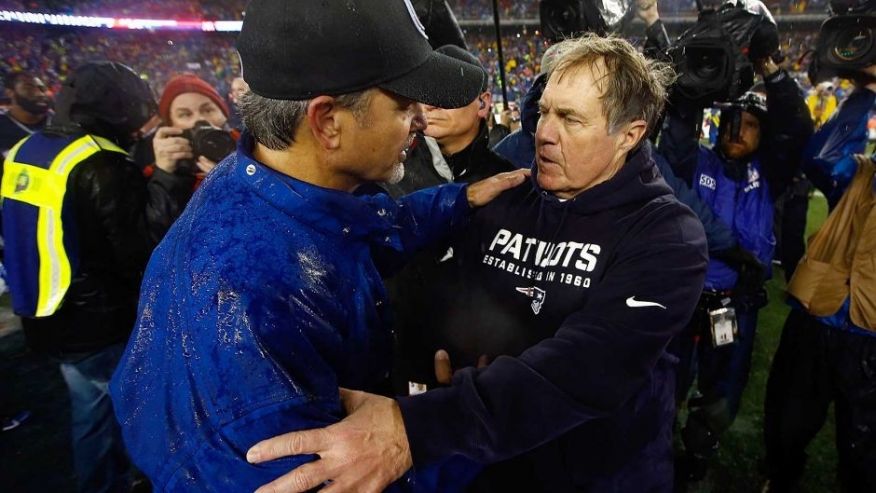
point(417, 23)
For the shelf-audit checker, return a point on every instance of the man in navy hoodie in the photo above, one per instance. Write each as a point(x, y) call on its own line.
point(573, 288)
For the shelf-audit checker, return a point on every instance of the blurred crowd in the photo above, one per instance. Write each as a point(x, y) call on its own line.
point(232, 9)
point(53, 53)
point(176, 9)
point(157, 56)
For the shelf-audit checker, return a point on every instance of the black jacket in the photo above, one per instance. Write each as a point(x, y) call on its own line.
point(574, 301)
point(469, 165)
point(118, 220)
point(412, 289)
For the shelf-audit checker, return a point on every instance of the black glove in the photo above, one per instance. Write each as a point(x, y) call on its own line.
point(751, 271)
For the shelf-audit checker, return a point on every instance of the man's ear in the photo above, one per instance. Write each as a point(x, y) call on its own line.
point(486, 102)
point(322, 117)
point(632, 135)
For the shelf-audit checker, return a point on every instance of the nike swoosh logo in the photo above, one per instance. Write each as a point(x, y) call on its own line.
point(632, 302)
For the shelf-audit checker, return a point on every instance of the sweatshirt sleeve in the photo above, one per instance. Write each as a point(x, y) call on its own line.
point(599, 357)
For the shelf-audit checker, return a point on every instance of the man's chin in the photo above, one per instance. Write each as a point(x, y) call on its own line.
point(396, 175)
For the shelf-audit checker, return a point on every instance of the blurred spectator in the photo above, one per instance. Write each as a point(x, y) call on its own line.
point(29, 111)
point(238, 89)
point(822, 102)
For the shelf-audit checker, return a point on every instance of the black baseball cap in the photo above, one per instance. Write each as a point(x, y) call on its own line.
point(299, 49)
point(458, 53)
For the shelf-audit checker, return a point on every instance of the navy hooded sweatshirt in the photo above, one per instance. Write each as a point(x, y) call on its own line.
point(574, 302)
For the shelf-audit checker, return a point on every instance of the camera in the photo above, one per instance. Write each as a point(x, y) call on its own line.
point(561, 19)
point(846, 42)
point(713, 59)
point(208, 141)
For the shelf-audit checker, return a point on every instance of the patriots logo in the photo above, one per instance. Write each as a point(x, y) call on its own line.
point(537, 295)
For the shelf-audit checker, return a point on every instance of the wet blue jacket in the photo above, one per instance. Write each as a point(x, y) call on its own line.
point(260, 302)
point(829, 163)
point(745, 205)
point(828, 157)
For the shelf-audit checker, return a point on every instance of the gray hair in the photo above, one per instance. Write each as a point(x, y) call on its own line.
point(273, 122)
point(549, 59)
point(634, 87)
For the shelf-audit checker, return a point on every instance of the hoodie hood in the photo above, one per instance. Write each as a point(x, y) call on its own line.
point(637, 181)
point(529, 108)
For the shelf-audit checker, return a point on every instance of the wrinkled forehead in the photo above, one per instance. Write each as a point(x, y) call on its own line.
point(590, 71)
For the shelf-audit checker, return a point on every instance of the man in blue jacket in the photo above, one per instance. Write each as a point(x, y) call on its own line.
point(266, 296)
point(739, 180)
point(573, 286)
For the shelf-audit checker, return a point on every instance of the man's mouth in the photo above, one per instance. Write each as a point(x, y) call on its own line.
point(543, 159)
point(403, 155)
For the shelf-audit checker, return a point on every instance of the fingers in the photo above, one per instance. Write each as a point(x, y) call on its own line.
point(204, 164)
point(484, 191)
point(295, 443)
point(443, 368)
point(165, 132)
point(301, 479)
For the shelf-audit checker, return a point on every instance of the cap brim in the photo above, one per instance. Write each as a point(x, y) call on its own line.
point(441, 81)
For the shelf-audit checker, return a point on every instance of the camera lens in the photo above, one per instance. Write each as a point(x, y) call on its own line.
point(705, 64)
point(853, 44)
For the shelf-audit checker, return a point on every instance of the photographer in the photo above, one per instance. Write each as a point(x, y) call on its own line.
point(759, 144)
point(188, 105)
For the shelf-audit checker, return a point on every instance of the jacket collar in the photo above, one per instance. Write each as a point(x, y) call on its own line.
point(368, 214)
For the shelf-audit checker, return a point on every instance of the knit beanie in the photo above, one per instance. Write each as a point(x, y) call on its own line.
point(187, 83)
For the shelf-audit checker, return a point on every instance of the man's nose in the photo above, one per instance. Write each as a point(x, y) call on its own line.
point(418, 123)
point(545, 132)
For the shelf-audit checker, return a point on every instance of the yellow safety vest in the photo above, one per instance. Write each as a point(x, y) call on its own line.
point(41, 182)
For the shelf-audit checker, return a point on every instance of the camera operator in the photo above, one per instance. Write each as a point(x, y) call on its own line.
point(76, 217)
point(759, 146)
point(827, 351)
point(195, 136)
point(186, 101)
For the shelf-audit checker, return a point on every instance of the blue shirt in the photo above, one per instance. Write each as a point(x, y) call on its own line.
point(264, 297)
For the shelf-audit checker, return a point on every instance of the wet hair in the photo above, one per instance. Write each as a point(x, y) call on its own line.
point(552, 54)
point(633, 87)
point(273, 122)
point(14, 77)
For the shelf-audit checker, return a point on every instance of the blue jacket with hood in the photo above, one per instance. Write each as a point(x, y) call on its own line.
point(264, 297)
point(829, 162)
point(741, 193)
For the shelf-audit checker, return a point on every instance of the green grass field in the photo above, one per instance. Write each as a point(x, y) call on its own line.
point(740, 460)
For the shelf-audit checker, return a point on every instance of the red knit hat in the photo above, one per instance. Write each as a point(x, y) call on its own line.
point(187, 83)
